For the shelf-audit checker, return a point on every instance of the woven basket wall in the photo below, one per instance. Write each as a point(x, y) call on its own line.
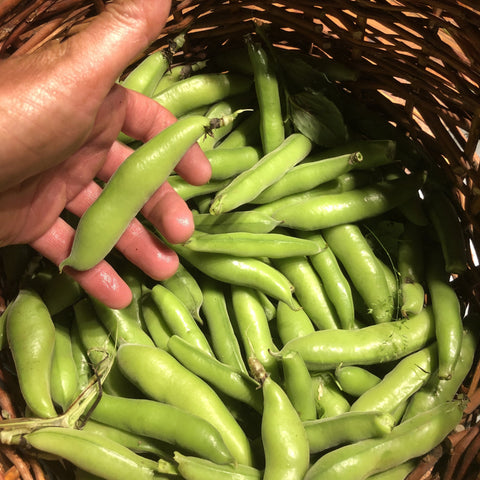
point(418, 64)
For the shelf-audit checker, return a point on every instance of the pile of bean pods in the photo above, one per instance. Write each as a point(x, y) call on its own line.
point(313, 329)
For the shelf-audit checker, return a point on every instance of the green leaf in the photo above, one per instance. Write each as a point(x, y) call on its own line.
point(318, 118)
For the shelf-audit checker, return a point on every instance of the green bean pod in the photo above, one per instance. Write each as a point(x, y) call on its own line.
point(242, 221)
point(253, 327)
point(411, 269)
point(337, 286)
point(292, 323)
point(348, 427)
point(94, 454)
point(246, 244)
point(161, 377)
point(298, 386)
point(188, 191)
point(393, 284)
point(400, 472)
point(375, 153)
point(307, 175)
point(136, 280)
point(100, 347)
point(194, 468)
point(309, 290)
point(343, 183)
point(120, 324)
point(221, 109)
point(31, 339)
point(155, 324)
point(400, 383)
point(269, 307)
point(448, 227)
point(438, 390)
point(250, 183)
point(272, 130)
point(248, 272)
point(222, 377)
point(185, 286)
point(283, 435)
point(410, 439)
point(354, 380)
point(447, 311)
point(330, 401)
point(106, 219)
point(352, 206)
point(80, 358)
point(224, 340)
point(136, 443)
point(163, 422)
point(353, 251)
point(383, 342)
point(178, 318)
point(246, 133)
point(146, 75)
point(61, 292)
point(200, 90)
point(64, 384)
point(177, 73)
point(229, 162)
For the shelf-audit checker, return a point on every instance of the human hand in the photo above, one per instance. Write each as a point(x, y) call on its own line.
point(61, 113)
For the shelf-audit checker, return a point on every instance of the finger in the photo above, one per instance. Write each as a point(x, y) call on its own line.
point(170, 214)
point(137, 244)
point(145, 118)
point(165, 209)
point(102, 282)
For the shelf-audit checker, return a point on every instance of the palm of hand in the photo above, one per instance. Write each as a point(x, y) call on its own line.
point(67, 117)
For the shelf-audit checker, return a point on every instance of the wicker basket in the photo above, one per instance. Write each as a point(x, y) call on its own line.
point(418, 64)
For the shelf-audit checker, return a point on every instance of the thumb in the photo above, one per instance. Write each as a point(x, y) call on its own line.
point(100, 52)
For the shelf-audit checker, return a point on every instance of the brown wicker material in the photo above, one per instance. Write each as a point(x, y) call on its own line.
point(418, 63)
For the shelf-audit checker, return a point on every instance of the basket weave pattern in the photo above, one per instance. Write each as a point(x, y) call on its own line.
point(418, 63)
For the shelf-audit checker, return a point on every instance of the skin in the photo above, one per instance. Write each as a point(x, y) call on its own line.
point(47, 167)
